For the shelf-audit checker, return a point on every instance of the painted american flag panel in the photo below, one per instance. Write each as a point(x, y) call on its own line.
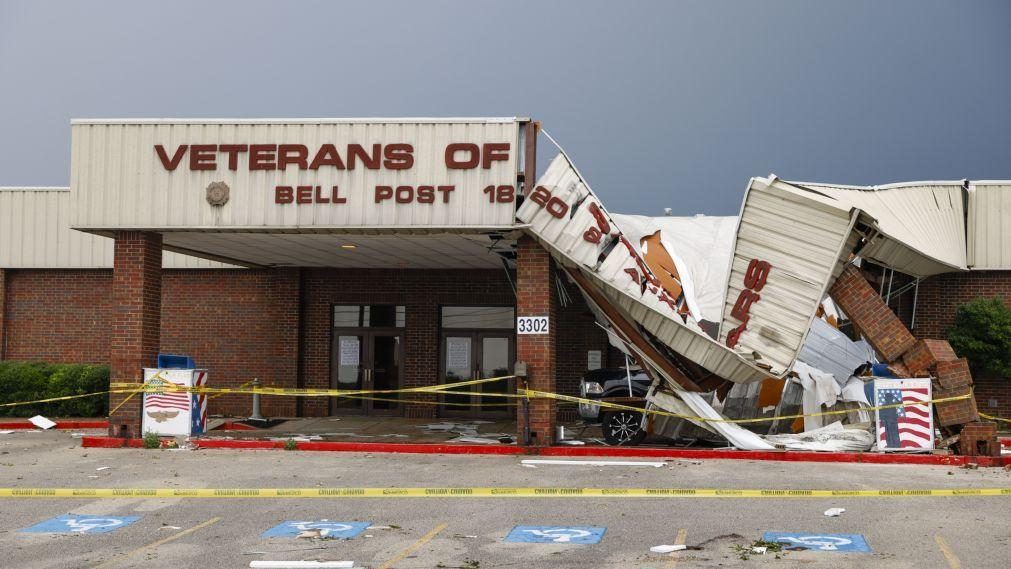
point(909, 427)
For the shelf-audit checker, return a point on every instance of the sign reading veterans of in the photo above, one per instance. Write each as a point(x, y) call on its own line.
point(323, 173)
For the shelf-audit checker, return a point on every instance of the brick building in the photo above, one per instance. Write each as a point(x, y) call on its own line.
point(349, 254)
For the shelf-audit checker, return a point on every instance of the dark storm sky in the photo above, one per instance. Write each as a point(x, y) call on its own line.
point(660, 104)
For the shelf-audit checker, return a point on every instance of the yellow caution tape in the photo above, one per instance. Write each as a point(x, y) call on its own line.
point(486, 492)
point(992, 418)
point(299, 392)
point(532, 394)
point(63, 398)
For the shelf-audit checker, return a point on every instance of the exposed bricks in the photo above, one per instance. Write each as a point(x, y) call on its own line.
point(136, 322)
point(979, 439)
point(953, 374)
point(536, 296)
point(925, 354)
point(882, 328)
point(954, 412)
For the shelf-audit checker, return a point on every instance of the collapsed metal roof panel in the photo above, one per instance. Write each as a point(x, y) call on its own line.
point(989, 225)
point(791, 243)
point(921, 225)
point(568, 220)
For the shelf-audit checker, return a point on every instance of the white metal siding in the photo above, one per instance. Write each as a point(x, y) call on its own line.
point(989, 225)
point(922, 223)
point(563, 237)
point(807, 240)
point(35, 233)
point(118, 180)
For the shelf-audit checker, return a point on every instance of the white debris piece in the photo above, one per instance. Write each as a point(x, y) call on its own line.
point(301, 564)
point(667, 548)
point(594, 463)
point(41, 422)
point(834, 512)
point(759, 550)
point(834, 437)
point(101, 468)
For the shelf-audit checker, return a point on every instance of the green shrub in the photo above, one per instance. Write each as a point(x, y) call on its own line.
point(152, 440)
point(31, 381)
point(982, 333)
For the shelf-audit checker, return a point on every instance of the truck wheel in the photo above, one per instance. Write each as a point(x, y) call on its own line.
point(623, 428)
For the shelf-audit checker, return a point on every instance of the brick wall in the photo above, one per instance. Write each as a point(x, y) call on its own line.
point(939, 298)
point(3, 311)
point(536, 296)
point(135, 322)
point(878, 323)
point(421, 291)
point(243, 324)
point(993, 396)
point(941, 295)
point(58, 315)
point(240, 324)
point(577, 334)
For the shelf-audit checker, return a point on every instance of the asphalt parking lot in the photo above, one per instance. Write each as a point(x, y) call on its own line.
point(470, 532)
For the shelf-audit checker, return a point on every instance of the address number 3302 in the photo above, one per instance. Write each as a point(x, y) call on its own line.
point(532, 325)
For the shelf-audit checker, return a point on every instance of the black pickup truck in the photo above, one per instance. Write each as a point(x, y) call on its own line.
point(612, 385)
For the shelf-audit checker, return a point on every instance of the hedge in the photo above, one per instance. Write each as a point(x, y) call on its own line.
point(30, 381)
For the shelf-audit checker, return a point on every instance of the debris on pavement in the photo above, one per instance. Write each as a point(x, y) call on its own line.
point(101, 468)
point(834, 512)
point(667, 548)
point(593, 463)
point(42, 422)
point(301, 564)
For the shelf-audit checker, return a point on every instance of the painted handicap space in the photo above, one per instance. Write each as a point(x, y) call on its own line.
point(556, 534)
point(839, 542)
point(327, 528)
point(73, 523)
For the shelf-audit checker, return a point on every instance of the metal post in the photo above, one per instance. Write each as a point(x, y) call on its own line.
point(256, 416)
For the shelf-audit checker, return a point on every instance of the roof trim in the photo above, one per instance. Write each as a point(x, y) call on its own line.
point(361, 120)
point(34, 188)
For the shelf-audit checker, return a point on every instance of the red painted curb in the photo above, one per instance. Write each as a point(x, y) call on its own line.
point(59, 425)
point(781, 456)
point(709, 454)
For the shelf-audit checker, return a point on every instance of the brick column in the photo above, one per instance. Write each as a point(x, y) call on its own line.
point(535, 296)
point(3, 312)
point(136, 321)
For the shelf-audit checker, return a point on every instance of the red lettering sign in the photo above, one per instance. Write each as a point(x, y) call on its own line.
point(754, 279)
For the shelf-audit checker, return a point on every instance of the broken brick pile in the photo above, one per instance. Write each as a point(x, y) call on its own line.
point(909, 357)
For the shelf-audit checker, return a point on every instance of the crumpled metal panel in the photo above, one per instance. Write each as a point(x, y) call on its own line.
point(564, 237)
point(921, 224)
point(806, 240)
point(989, 231)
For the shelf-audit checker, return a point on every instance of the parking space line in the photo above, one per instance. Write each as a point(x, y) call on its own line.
point(679, 540)
point(156, 544)
point(414, 546)
point(949, 555)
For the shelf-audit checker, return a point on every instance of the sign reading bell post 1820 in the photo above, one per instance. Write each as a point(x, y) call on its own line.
point(326, 173)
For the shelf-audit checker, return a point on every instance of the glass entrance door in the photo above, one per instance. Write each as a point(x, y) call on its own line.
point(367, 361)
point(477, 355)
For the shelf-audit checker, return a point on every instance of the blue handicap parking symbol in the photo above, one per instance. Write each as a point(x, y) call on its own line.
point(326, 528)
point(556, 534)
point(73, 523)
point(841, 542)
